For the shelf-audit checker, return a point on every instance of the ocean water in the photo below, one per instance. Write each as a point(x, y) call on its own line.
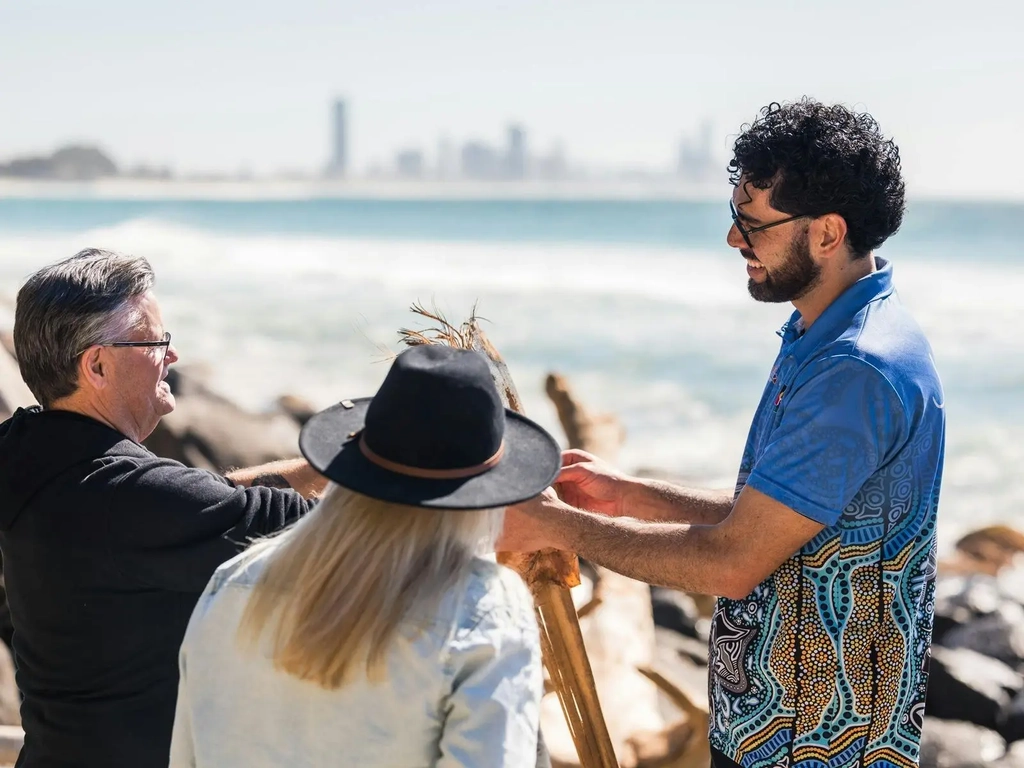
point(639, 303)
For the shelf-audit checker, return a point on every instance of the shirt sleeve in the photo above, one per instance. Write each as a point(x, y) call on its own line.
point(842, 421)
point(493, 712)
point(171, 526)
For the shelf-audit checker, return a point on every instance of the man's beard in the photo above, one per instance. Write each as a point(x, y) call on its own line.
point(792, 279)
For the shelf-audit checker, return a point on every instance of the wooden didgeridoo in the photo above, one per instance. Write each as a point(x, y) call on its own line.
point(550, 573)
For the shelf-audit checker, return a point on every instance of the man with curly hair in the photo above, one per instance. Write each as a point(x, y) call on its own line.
point(824, 553)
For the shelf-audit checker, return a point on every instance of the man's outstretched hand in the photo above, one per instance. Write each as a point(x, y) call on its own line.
point(587, 482)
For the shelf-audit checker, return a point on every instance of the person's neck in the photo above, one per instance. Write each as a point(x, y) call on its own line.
point(100, 411)
point(831, 287)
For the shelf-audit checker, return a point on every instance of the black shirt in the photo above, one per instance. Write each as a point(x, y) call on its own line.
point(106, 549)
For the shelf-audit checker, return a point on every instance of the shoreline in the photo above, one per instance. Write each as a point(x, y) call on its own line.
point(649, 190)
point(358, 189)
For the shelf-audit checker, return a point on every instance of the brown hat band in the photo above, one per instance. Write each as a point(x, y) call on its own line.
point(430, 474)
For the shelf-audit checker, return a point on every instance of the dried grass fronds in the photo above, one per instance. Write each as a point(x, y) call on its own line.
point(462, 336)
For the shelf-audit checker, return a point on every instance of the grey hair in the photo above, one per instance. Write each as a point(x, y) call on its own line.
point(65, 308)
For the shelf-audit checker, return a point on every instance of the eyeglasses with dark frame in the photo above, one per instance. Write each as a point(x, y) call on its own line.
point(748, 232)
point(165, 342)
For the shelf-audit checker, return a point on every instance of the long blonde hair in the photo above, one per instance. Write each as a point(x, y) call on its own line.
point(340, 581)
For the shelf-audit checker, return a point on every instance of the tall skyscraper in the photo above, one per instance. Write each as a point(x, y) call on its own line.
point(515, 160)
point(697, 161)
point(554, 165)
point(480, 161)
point(447, 159)
point(409, 164)
point(339, 141)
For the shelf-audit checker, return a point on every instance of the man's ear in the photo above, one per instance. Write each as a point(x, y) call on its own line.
point(93, 369)
point(828, 234)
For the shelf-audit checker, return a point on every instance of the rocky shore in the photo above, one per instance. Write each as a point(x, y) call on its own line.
point(975, 707)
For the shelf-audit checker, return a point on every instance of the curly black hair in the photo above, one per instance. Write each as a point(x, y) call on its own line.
point(819, 159)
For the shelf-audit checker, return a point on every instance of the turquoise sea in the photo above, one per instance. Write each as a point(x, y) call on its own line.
point(640, 303)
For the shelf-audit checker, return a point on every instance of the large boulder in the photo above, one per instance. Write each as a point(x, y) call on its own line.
point(7, 340)
point(1014, 757)
point(692, 651)
point(13, 392)
point(999, 634)
point(987, 550)
point(208, 431)
point(6, 625)
point(1011, 720)
point(678, 611)
point(12, 739)
point(299, 408)
point(960, 600)
point(965, 685)
point(10, 700)
point(951, 744)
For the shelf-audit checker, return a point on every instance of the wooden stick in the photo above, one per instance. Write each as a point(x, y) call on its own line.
point(577, 691)
point(549, 574)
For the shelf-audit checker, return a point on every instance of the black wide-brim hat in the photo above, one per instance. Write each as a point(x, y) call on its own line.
point(435, 435)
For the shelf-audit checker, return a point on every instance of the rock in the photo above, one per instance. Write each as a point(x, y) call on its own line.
point(12, 739)
point(1011, 720)
point(999, 634)
point(989, 549)
point(13, 392)
point(297, 407)
point(688, 648)
point(951, 744)
point(191, 380)
point(208, 431)
point(10, 700)
point(964, 685)
point(6, 625)
point(960, 600)
point(675, 610)
point(1014, 757)
point(7, 342)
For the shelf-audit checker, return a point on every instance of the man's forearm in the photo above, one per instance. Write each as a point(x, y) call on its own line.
point(687, 557)
point(656, 500)
point(290, 473)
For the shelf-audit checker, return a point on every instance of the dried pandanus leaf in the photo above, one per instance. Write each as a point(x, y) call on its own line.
point(550, 573)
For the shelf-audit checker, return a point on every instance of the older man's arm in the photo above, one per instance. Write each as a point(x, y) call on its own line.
point(289, 473)
point(171, 526)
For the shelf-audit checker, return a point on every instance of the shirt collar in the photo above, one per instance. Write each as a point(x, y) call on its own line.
point(839, 313)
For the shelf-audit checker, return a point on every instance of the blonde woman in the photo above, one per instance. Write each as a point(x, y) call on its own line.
point(372, 633)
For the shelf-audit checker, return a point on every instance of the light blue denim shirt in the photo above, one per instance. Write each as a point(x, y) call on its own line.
point(462, 690)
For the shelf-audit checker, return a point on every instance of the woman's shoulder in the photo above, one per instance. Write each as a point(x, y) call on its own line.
point(496, 623)
point(244, 569)
point(494, 593)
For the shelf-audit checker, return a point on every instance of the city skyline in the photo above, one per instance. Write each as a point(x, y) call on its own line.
point(244, 86)
point(471, 159)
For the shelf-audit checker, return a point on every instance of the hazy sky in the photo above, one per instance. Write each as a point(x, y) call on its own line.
point(226, 84)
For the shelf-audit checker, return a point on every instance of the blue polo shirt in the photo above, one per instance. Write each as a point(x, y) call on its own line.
point(824, 664)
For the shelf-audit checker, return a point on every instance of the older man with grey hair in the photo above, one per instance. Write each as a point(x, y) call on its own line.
point(107, 547)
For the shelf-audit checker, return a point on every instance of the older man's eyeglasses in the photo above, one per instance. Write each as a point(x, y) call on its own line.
point(747, 232)
point(165, 342)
